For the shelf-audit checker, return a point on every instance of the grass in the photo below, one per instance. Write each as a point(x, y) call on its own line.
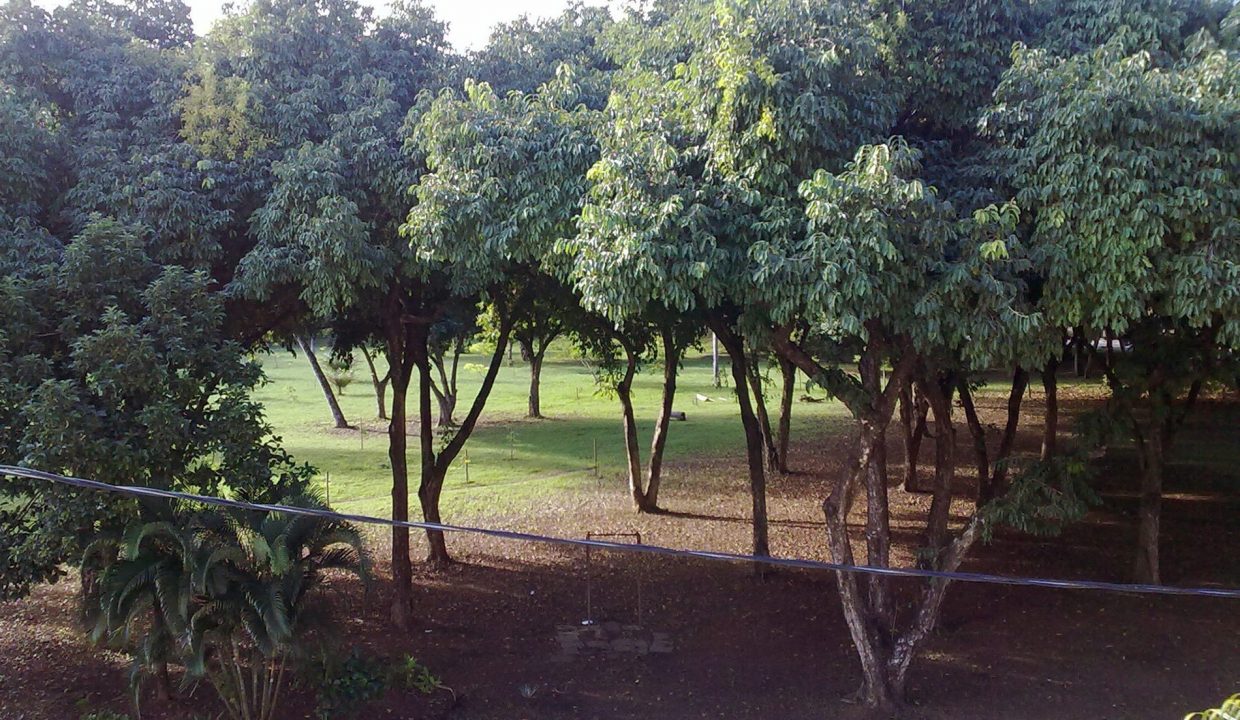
point(512, 460)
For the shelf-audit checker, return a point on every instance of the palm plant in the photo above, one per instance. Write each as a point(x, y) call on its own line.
point(224, 593)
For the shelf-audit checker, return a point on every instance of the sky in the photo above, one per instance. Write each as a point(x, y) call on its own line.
point(469, 21)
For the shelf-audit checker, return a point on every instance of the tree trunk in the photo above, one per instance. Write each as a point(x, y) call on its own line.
point(1146, 567)
point(380, 385)
point(998, 477)
point(913, 411)
point(981, 454)
point(870, 640)
point(939, 393)
point(632, 453)
point(431, 483)
point(435, 464)
point(402, 572)
point(877, 516)
point(447, 409)
point(789, 373)
point(1050, 429)
point(771, 456)
point(754, 447)
point(671, 367)
point(337, 414)
point(536, 361)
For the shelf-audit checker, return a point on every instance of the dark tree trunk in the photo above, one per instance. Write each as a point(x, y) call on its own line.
point(431, 483)
point(870, 616)
point(939, 392)
point(445, 391)
point(1146, 567)
point(632, 452)
point(754, 447)
point(435, 465)
point(885, 654)
point(877, 516)
point(536, 362)
point(447, 409)
point(400, 373)
point(913, 411)
point(379, 384)
point(324, 385)
point(1050, 429)
point(789, 373)
point(754, 373)
point(998, 477)
point(1153, 446)
point(671, 366)
point(981, 454)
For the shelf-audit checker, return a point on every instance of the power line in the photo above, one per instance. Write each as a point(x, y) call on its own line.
point(984, 578)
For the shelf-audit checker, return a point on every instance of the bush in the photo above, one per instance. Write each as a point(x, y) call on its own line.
point(344, 686)
point(221, 592)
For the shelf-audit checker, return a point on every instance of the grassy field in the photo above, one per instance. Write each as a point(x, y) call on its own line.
point(511, 459)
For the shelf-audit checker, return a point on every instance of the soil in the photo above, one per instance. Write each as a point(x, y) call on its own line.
point(676, 638)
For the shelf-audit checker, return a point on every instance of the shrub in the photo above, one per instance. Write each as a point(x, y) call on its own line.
point(222, 592)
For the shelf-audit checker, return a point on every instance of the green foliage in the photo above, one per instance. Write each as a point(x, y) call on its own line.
point(340, 374)
point(1229, 709)
point(525, 54)
point(117, 368)
point(225, 593)
point(1043, 497)
point(1126, 166)
point(719, 112)
point(506, 180)
point(344, 686)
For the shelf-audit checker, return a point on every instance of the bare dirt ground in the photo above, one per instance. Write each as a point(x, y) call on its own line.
point(739, 646)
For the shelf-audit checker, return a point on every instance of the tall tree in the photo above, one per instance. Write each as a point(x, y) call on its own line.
point(319, 92)
point(700, 166)
point(505, 182)
point(1126, 154)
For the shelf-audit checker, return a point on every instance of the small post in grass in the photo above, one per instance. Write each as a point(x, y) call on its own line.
point(328, 484)
point(466, 461)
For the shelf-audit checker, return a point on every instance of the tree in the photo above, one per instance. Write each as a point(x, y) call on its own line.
point(450, 338)
point(305, 344)
point(1126, 153)
point(505, 182)
point(525, 54)
point(117, 368)
point(701, 164)
point(335, 86)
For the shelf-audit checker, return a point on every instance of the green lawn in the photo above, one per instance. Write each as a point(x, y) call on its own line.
point(512, 459)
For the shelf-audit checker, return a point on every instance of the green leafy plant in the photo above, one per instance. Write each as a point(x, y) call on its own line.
point(223, 593)
point(1229, 710)
point(340, 373)
point(344, 685)
point(410, 673)
point(1043, 497)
